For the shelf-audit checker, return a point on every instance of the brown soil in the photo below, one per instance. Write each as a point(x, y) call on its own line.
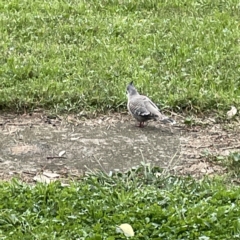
point(67, 146)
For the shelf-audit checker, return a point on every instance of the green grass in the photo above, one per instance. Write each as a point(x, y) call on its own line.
point(156, 208)
point(79, 55)
point(231, 162)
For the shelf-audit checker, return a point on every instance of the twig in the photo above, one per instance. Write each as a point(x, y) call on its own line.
point(173, 113)
point(231, 147)
point(4, 123)
point(98, 161)
point(30, 173)
point(21, 124)
point(214, 145)
point(55, 157)
point(142, 156)
point(170, 162)
point(197, 147)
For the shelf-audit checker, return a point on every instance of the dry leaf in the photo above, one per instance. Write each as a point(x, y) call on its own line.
point(74, 138)
point(126, 229)
point(65, 184)
point(51, 175)
point(61, 153)
point(42, 179)
point(232, 112)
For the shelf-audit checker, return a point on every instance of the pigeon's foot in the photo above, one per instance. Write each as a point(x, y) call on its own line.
point(141, 124)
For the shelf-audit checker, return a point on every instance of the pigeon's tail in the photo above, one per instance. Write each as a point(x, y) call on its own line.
point(168, 120)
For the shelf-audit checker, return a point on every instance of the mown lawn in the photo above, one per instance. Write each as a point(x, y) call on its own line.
point(155, 207)
point(79, 55)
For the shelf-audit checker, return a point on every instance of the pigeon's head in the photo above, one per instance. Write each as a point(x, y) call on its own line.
point(131, 90)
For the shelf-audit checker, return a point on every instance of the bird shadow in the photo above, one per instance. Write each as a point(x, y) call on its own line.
point(166, 131)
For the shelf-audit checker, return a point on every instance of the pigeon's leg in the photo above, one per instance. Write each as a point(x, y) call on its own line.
point(141, 124)
point(138, 124)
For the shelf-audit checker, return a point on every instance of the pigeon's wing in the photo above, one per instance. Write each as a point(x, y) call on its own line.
point(142, 108)
point(138, 106)
point(149, 105)
point(154, 110)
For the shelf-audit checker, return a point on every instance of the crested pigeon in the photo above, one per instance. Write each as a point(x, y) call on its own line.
point(142, 108)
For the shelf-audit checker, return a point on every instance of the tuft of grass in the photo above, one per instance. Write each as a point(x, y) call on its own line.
point(79, 55)
point(156, 206)
point(231, 162)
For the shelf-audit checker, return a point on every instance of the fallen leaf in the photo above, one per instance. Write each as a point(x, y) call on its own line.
point(42, 179)
point(74, 139)
point(65, 185)
point(232, 112)
point(126, 229)
point(61, 153)
point(51, 175)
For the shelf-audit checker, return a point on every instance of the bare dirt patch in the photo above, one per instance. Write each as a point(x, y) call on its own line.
point(34, 144)
point(200, 142)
